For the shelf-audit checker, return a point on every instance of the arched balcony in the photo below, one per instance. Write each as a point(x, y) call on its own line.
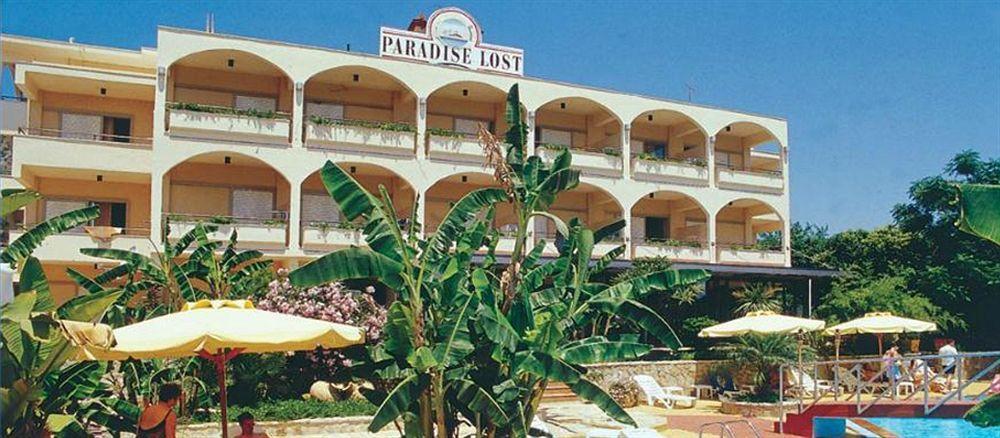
point(323, 226)
point(455, 114)
point(749, 231)
point(229, 95)
point(587, 128)
point(668, 146)
point(669, 224)
point(444, 193)
point(748, 156)
point(231, 191)
point(595, 208)
point(361, 109)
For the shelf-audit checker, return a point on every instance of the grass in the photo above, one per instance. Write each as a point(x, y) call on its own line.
point(285, 410)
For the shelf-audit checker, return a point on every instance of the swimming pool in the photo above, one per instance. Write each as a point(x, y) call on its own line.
point(933, 427)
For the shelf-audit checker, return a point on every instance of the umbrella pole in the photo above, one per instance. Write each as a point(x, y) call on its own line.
point(836, 360)
point(879, 337)
point(223, 401)
point(799, 348)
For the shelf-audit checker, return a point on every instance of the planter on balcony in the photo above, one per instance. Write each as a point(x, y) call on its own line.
point(751, 256)
point(251, 235)
point(322, 238)
point(447, 147)
point(593, 162)
point(229, 126)
point(744, 179)
point(663, 170)
point(360, 138)
point(671, 252)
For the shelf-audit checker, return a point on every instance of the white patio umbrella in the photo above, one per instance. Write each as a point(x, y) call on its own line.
point(878, 323)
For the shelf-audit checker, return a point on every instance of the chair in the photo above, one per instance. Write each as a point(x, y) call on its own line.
point(850, 382)
point(656, 393)
point(810, 387)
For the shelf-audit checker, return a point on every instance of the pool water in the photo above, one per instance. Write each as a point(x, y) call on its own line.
point(933, 427)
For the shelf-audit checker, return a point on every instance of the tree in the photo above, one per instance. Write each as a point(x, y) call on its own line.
point(40, 392)
point(760, 355)
point(480, 343)
point(757, 297)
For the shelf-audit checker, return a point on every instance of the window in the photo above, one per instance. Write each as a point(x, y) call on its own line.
point(470, 126)
point(555, 136)
point(657, 228)
point(113, 214)
point(725, 159)
point(117, 129)
point(330, 111)
point(256, 103)
point(656, 149)
point(254, 204)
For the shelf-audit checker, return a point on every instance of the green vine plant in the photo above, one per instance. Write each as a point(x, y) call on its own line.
point(213, 109)
point(371, 124)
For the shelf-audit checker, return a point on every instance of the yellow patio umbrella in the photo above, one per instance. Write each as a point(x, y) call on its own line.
point(219, 330)
point(764, 322)
point(878, 323)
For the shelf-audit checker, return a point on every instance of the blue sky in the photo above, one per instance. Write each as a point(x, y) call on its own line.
point(876, 95)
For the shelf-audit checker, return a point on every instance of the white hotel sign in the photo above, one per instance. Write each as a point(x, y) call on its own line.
point(452, 37)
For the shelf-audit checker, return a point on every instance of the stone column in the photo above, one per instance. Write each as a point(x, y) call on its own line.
point(156, 207)
point(421, 128)
point(627, 151)
point(530, 147)
point(786, 239)
point(298, 114)
point(295, 216)
point(784, 168)
point(713, 250)
point(710, 159)
point(627, 235)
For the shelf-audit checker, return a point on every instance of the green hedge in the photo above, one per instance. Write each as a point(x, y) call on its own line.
point(285, 410)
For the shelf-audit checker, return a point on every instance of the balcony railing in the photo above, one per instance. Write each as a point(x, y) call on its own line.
point(750, 254)
point(251, 231)
point(116, 140)
point(325, 235)
point(361, 135)
point(228, 123)
point(648, 166)
point(606, 160)
point(671, 249)
point(66, 246)
point(448, 144)
point(763, 179)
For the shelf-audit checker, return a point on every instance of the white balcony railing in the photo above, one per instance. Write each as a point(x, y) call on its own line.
point(38, 149)
point(323, 236)
point(771, 181)
point(229, 126)
point(66, 247)
point(668, 170)
point(749, 256)
point(585, 160)
point(251, 232)
point(454, 147)
point(360, 138)
point(680, 251)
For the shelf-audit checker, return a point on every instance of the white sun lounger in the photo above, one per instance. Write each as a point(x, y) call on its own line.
point(810, 386)
point(656, 393)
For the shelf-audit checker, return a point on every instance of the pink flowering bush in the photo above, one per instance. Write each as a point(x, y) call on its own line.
point(329, 302)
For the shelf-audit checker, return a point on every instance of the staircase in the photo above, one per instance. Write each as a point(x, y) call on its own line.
point(558, 392)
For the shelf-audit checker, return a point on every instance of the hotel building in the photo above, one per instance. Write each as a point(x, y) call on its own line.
point(233, 130)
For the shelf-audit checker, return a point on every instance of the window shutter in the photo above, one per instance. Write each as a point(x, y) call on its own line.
point(328, 110)
point(319, 208)
point(83, 126)
point(256, 103)
point(255, 204)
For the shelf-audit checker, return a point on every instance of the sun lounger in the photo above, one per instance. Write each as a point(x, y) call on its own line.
point(656, 393)
point(810, 387)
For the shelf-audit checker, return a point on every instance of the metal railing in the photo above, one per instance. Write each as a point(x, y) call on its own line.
point(667, 242)
point(724, 428)
point(90, 136)
point(721, 166)
point(226, 110)
point(278, 218)
point(907, 373)
point(82, 230)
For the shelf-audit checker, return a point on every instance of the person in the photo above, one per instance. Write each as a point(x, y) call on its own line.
point(247, 424)
point(891, 361)
point(995, 385)
point(948, 351)
point(158, 420)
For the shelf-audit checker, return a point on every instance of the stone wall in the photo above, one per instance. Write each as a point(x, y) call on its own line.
point(683, 373)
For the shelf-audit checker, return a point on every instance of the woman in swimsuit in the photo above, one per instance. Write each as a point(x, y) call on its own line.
point(158, 420)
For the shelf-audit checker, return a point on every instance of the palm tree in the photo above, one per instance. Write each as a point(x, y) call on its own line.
point(757, 297)
point(760, 355)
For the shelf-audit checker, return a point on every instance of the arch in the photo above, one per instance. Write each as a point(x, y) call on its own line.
point(672, 117)
point(579, 123)
point(230, 78)
point(669, 215)
point(467, 100)
point(594, 205)
point(666, 133)
point(316, 206)
point(570, 100)
point(225, 54)
point(358, 92)
point(739, 222)
point(440, 195)
point(227, 184)
point(745, 128)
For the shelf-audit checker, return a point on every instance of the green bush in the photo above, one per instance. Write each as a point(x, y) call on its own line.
point(441, 132)
point(285, 410)
point(373, 124)
point(212, 109)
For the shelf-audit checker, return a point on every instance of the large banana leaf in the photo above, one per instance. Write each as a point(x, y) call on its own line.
point(398, 401)
point(603, 351)
point(458, 218)
point(15, 199)
point(642, 316)
point(478, 400)
point(144, 264)
point(381, 230)
point(659, 280)
point(21, 248)
point(349, 264)
point(980, 210)
point(588, 391)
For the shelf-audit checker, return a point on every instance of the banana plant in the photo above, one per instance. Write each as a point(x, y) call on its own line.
point(478, 343)
point(21, 248)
